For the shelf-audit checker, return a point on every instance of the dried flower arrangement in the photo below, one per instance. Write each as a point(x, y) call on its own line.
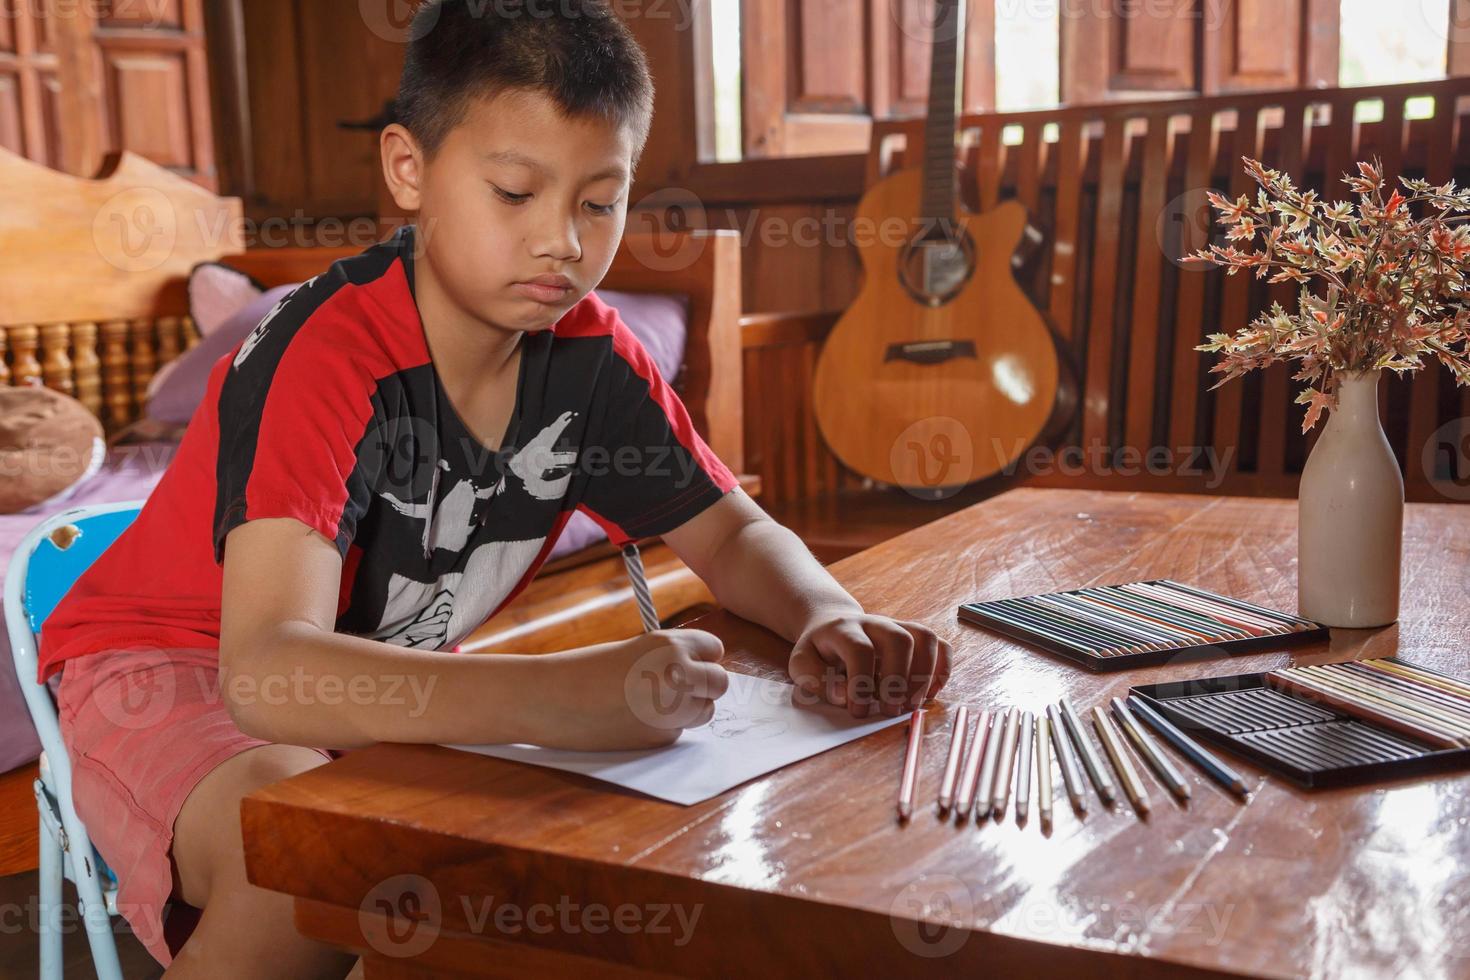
point(1395, 283)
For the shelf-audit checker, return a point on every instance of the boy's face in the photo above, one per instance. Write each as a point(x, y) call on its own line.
point(517, 193)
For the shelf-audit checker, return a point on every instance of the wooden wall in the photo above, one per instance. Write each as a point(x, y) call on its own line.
point(818, 73)
point(298, 72)
point(1118, 192)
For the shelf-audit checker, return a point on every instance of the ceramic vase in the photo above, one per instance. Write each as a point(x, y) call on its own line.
point(1351, 515)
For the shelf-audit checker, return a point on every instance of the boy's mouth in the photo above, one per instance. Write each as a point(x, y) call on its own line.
point(545, 288)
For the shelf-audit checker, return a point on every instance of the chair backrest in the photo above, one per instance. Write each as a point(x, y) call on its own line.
point(92, 291)
point(40, 573)
point(53, 570)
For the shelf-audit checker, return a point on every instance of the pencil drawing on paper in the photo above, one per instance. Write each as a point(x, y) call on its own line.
point(727, 723)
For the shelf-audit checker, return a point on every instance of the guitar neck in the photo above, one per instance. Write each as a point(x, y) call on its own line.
point(939, 128)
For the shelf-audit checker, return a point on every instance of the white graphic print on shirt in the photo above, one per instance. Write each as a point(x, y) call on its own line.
point(431, 614)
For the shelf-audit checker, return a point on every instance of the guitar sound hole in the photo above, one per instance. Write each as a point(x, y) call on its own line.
point(933, 269)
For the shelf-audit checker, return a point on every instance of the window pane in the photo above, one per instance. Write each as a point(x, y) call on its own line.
point(725, 45)
point(1384, 43)
point(1027, 62)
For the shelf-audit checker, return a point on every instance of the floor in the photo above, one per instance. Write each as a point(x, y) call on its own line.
point(19, 948)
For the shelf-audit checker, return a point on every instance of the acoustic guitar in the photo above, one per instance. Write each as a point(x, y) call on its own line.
point(942, 372)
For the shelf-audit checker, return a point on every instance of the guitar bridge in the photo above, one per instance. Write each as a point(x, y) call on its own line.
point(929, 351)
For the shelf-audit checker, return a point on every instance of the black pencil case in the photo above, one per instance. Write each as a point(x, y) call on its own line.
point(1307, 742)
point(989, 615)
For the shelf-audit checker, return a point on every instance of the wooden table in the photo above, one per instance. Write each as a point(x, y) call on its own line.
point(805, 872)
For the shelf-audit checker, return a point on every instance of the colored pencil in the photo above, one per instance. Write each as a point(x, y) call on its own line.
point(911, 765)
point(1449, 721)
point(1135, 618)
point(1051, 632)
point(1000, 794)
point(1169, 612)
point(1452, 684)
point(1239, 604)
point(988, 765)
point(1214, 611)
point(1419, 690)
point(1023, 770)
point(1113, 745)
point(965, 795)
point(1162, 632)
point(1196, 753)
point(958, 735)
point(1371, 710)
point(1067, 759)
point(1448, 715)
point(1090, 637)
point(1106, 791)
point(1150, 750)
point(1137, 633)
point(1043, 768)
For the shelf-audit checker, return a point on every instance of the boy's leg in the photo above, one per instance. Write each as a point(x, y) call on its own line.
point(245, 931)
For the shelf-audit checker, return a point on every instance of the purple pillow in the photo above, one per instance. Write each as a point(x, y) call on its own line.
point(660, 321)
point(225, 305)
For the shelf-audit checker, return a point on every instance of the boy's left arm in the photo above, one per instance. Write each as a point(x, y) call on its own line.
point(763, 572)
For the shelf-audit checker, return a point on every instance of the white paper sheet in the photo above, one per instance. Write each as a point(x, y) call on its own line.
point(756, 729)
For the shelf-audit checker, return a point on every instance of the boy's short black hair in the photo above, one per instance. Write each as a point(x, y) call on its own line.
point(575, 51)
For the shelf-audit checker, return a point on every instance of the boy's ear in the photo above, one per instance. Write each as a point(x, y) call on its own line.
point(403, 166)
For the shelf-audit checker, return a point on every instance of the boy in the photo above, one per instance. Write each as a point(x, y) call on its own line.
point(383, 464)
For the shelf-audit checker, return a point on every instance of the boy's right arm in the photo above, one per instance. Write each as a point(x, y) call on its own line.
point(287, 676)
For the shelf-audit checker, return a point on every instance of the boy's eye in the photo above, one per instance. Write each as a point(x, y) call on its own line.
point(508, 197)
point(601, 208)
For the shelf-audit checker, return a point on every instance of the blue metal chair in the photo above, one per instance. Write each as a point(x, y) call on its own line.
point(40, 574)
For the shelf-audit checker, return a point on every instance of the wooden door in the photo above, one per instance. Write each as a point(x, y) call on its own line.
point(81, 80)
point(30, 118)
point(818, 72)
point(1195, 47)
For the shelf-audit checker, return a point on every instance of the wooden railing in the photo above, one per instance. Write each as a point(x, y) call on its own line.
point(1118, 193)
point(106, 366)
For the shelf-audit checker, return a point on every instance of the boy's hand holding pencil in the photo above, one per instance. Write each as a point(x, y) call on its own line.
point(638, 693)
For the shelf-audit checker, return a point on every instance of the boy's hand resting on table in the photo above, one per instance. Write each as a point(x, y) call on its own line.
point(869, 663)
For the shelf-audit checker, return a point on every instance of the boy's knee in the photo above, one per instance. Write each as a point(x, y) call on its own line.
point(208, 849)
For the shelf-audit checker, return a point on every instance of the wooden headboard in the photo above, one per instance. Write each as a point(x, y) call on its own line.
point(93, 300)
point(92, 294)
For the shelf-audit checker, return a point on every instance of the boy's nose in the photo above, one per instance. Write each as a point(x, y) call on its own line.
point(560, 241)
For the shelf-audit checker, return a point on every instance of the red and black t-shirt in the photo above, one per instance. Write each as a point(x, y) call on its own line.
point(331, 412)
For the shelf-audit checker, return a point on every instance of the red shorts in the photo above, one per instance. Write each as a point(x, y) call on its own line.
point(142, 728)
